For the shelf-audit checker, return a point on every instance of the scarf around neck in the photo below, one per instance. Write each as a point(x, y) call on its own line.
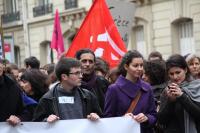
point(89, 81)
point(192, 89)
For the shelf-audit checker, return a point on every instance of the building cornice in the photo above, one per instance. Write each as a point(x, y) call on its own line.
point(70, 14)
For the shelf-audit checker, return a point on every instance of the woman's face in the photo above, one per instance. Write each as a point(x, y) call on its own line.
point(194, 66)
point(145, 77)
point(135, 68)
point(26, 86)
point(177, 75)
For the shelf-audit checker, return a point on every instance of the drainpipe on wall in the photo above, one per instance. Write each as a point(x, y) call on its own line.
point(26, 29)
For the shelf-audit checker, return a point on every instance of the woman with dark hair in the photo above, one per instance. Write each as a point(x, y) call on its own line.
point(101, 67)
point(113, 75)
point(180, 101)
point(34, 83)
point(155, 74)
point(128, 90)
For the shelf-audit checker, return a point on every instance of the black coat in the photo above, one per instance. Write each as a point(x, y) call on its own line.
point(10, 98)
point(171, 114)
point(48, 104)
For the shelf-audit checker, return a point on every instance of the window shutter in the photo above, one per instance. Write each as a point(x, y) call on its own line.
point(186, 38)
point(140, 42)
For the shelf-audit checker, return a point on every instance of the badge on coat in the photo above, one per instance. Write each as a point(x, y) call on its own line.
point(64, 99)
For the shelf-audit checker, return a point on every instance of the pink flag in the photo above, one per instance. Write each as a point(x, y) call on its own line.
point(57, 38)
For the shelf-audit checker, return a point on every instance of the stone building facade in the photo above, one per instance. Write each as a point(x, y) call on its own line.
point(30, 23)
point(168, 26)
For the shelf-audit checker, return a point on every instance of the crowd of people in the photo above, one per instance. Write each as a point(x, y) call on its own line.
point(163, 96)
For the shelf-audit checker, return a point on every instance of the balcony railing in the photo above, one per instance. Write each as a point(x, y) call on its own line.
point(42, 10)
point(11, 17)
point(70, 4)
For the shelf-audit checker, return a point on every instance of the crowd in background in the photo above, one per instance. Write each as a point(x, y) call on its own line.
point(162, 95)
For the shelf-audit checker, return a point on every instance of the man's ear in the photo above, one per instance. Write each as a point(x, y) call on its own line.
point(64, 76)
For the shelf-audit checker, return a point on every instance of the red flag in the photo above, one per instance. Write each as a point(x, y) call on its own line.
point(99, 33)
point(57, 38)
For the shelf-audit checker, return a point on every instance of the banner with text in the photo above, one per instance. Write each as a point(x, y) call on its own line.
point(123, 14)
point(107, 125)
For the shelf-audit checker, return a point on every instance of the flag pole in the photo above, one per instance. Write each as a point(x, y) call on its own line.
point(51, 55)
point(2, 38)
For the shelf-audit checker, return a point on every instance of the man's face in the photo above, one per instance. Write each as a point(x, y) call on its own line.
point(15, 73)
point(74, 77)
point(87, 63)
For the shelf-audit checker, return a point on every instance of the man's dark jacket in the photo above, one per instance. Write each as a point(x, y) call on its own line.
point(48, 104)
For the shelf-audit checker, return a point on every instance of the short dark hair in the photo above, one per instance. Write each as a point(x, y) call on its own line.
point(51, 68)
point(127, 59)
point(155, 54)
point(84, 51)
point(177, 60)
point(102, 66)
point(33, 62)
point(156, 71)
point(64, 66)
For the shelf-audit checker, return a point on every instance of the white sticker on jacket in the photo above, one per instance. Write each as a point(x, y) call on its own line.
point(65, 99)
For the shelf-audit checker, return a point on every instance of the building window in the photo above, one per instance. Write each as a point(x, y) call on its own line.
point(140, 40)
point(11, 6)
point(17, 55)
point(70, 4)
point(43, 2)
point(186, 37)
point(44, 7)
point(11, 12)
point(46, 53)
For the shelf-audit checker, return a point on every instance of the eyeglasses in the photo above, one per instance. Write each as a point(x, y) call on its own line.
point(78, 73)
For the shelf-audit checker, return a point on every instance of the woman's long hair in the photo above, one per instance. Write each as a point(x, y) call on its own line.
point(38, 81)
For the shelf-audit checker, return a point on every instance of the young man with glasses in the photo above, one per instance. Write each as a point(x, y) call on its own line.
point(67, 100)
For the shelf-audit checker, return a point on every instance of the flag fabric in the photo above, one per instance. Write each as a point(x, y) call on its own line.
point(99, 33)
point(1, 43)
point(57, 38)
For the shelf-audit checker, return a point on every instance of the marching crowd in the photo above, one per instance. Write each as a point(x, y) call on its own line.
point(162, 95)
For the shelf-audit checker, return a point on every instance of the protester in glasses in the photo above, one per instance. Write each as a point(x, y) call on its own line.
point(180, 101)
point(129, 88)
point(67, 100)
